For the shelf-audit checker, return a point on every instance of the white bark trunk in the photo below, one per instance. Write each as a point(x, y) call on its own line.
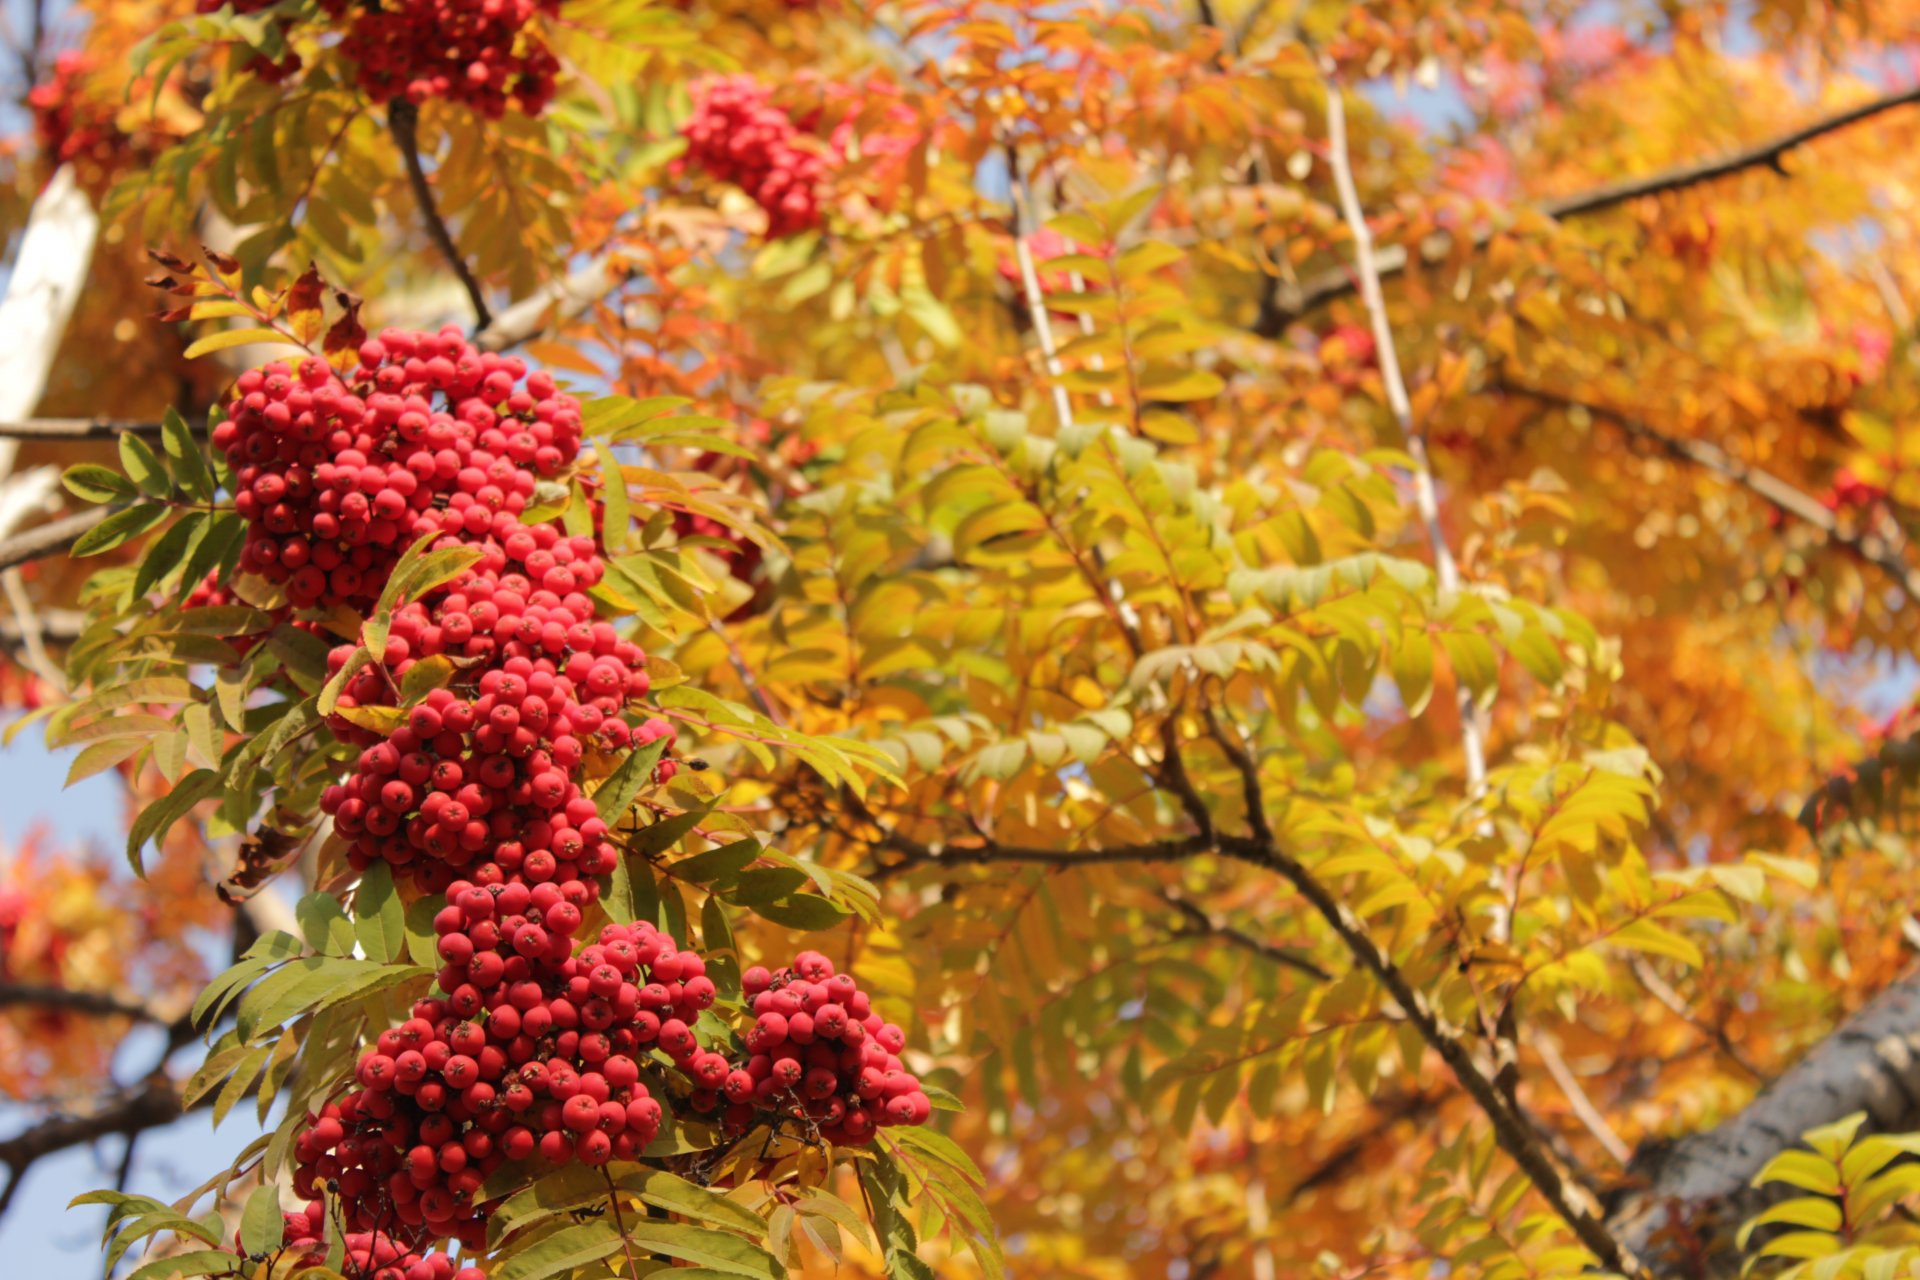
point(1871, 1063)
point(48, 274)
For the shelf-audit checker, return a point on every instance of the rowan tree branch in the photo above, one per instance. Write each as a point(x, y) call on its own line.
point(403, 120)
point(150, 1105)
point(1208, 926)
point(559, 300)
point(1871, 1063)
point(1288, 301)
point(1786, 498)
point(51, 538)
point(77, 429)
point(15, 994)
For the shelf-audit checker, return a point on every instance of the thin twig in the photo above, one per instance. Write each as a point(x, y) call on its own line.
point(1291, 301)
point(31, 637)
point(1204, 924)
point(1658, 988)
point(403, 119)
point(1426, 501)
point(78, 429)
point(1588, 1114)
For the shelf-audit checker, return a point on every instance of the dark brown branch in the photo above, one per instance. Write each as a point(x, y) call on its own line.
point(1288, 301)
point(1515, 1133)
point(403, 119)
point(51, 538)
point(148, 1106)
point(1205, 925)
point(14, 994)
point(1788, 499)
point(985, 854)
point(77, 429)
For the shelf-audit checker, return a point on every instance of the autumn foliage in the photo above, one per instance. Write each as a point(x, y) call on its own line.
point(964, 639)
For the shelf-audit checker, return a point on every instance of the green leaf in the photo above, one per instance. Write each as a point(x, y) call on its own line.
point(96, 483)
point(117, 528)
point(617, 790)
point(158, 818)
point(324, 924)
point(667, 1191)
point(167, 552)
point(380, 922)
point(143, 466)
point(805, 911)
point(189, 465)
point(560, 1253)
point(705, 1247)
point(261, 1229)
point(200, 1262)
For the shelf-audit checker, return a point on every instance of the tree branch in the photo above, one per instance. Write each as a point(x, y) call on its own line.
point(14, 994)
point(1870, 1063)
point(561, 299)
point(1287, 301)
point(149, 1106)
point(77, 429)
point(1783, 497)
point(51, 538)
point(1206, 925)
point(1514, 1133)
point(403, 119)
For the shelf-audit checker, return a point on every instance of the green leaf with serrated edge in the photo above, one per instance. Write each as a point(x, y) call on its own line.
point(158, 818)
point(208, 1005)
point(422, 939)
point(143, 466)
point(658, 837)
point(618, 517)
point(705, 1247)
point(101, 756)
point(117, 528)
point(293, 990)
point(329, 696)
point(217, 551)
point(380, 921)
point(568, 1187)
point(675, 1194)
point(95, 483)
point(765, 884)
point(941, 1149)
point(244, 1075)
point(325, 925)
point(804, 911)
point(839, 1212)
point(941, 1099)
point(617, 790)
point(560, 1253)
point(426, 675)
point(715, 864)
point(189, 465)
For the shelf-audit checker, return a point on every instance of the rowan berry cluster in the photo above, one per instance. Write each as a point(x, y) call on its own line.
point(535, 1044)
point(482, 53)
point(737, 135)
point(336, 477)
point(819, 1055)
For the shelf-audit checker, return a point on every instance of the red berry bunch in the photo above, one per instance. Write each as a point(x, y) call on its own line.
point(819, 1055)
point(737, 135)
point(482, 53)
point(1850, 491)
point(336, 477)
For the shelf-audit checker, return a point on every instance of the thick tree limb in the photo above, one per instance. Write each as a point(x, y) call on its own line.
point(1288, 301)
point(51, 538)
point(1699, 1186)
point(403, 119)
